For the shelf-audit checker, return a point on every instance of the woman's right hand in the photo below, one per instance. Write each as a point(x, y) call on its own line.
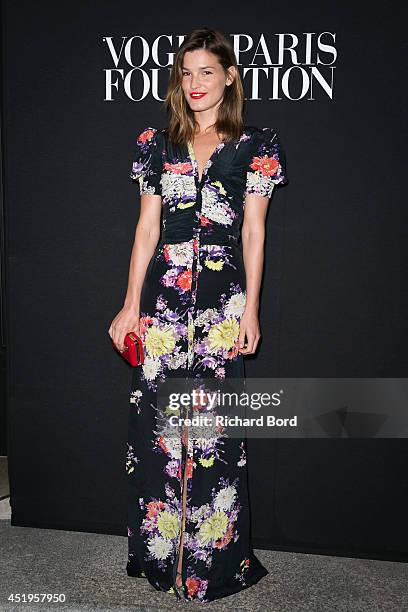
point(125, 321)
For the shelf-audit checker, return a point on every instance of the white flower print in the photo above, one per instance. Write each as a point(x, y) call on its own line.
point(173, 446)
point(198, 514)
point(259, 184)
point(180, 254)
point(225, 498)
point(178, 360)
point(235, 305)
point(151, 367)
point(159, 547)
point(214, 209)
point(205, 317)
point(176, 186)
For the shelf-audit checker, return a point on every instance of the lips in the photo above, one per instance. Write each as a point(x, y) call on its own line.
point(197, 95)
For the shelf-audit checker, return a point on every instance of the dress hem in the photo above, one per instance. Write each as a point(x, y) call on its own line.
point(231, 587)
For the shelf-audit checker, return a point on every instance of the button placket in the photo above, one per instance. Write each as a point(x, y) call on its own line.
point(194, 280)
point(195, 269)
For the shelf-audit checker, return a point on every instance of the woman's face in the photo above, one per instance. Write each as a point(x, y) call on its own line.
point(203, 74)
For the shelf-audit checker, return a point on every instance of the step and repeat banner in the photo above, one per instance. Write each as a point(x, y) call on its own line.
point(80, 82)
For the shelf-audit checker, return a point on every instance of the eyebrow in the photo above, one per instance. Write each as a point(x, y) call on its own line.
point(201, 67)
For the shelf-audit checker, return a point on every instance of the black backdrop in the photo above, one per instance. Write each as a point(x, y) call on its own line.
point(334, 296)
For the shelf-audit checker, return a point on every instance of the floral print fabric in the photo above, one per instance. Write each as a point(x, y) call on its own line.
point(192, 300)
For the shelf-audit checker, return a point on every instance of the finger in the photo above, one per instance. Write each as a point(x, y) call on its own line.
point(241, 337)
point(243, 350)
point(245, 347)
point(118, 340)
point(252, 349)
point(250, 343)
point(254, 345)
point(256, 340)
point(122, 341)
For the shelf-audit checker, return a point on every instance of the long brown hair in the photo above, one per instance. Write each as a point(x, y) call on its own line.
point(181, 120)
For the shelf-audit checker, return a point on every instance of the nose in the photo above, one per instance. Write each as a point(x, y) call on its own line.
point(195, 83)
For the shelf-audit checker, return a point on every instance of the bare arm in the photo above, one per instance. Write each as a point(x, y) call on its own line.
point(147, 235)
point(253, 238)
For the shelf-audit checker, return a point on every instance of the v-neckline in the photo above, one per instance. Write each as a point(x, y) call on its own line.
point(195, 162)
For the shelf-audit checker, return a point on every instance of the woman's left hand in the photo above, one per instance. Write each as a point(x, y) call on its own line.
point(249, 329)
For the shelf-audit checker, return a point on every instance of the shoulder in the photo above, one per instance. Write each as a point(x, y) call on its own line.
point(264, 141)
point(267, 156)
point(261, 133)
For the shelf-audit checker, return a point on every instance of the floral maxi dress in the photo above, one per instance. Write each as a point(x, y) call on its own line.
point(192, 301)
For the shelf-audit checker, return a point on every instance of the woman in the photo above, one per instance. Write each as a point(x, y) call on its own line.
point(193, 299)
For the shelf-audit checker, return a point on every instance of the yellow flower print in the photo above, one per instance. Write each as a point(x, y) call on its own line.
point(220, 187)
point(159, 341)
point(223, 335)
point(213, 528)
point(185, 204)
point(207, 462)
point(214, 265)
point(190, 331)
point(167, 524)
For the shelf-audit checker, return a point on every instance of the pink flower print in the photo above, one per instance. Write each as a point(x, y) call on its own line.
point(179, 168)
point(267, 165)
point(146, 135)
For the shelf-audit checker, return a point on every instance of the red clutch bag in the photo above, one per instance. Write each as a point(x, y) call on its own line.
point(133, 352)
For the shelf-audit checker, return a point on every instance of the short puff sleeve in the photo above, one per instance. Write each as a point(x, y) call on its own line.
point(267, 163)
point(147, 166)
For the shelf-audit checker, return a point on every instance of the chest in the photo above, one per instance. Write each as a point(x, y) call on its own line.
point(219, 170)
point(203, 150)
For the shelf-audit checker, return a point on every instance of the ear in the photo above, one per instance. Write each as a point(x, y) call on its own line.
point(232, 73)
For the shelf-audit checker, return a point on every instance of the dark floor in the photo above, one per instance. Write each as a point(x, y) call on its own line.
point(90, 570)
